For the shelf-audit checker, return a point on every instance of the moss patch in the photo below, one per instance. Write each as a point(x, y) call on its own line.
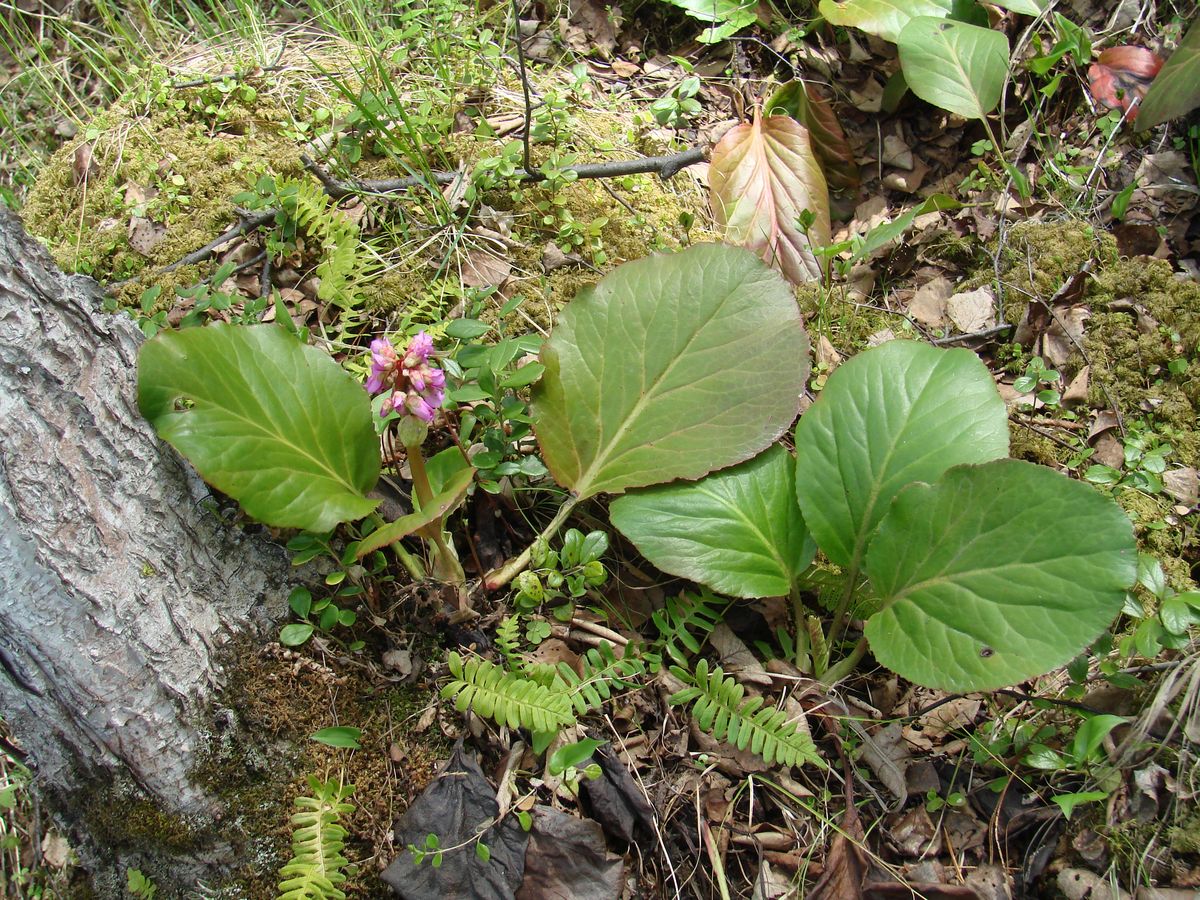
point(259, 757)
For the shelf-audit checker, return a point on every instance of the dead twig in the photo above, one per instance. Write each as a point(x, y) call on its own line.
point(664, 166)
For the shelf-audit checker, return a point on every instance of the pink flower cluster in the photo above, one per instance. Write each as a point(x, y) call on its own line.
point(418, 387)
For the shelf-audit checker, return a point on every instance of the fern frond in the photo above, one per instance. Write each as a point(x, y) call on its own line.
point(688, 620)
point(315, 869)
point(719, 709)
point(508, 698)
point(602, 672)
point(508, 639)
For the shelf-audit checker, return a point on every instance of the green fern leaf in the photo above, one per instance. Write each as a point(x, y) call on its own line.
point(719, 709)
point(688, 620)
point(508, 698)
point(315, 869)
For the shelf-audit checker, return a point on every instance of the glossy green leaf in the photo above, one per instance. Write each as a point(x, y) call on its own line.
point(274, 423)
point(669, 367)
point(1068, 802)
point(763, 176)
point(420, 521)
point(956, 66)
point(994, 574)
point(884, 18)
point(1025, 7)
point(572, 755)
point(898, 413)
point(882, 235)
point(339, 736)
point(1175, 91)
point(738, 531)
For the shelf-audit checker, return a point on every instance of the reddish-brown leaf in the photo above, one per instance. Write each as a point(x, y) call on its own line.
point(805, 104)
point(1120, 76)
point(762, 177)
point(846, 863)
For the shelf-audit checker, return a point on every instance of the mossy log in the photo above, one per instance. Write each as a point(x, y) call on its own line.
point(119, 587)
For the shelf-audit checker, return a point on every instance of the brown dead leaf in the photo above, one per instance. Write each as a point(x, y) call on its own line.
point(908, 182)
point(1077, 390)
point(868, 98)
point(928, 305)
point(482, 268)
point(846, 863)
point(553, 258)
point(972, 311)
point(914, 833)
point(145, 235)
point(1064, 336)
point(1109, 450)
point(83, 166)
point(1183, 485)
point(826, 354)
point(600, 23)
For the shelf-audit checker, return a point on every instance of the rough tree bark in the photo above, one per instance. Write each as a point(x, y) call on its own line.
point(119, 586)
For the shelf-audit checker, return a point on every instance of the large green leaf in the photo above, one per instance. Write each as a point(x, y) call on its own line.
point(1176, 89)
point(669, 367)
point(762, 177)
point(956, 66)
point(901, 412)
point(994, 574)
point(738, 531)
point(276, 424)
point(885, 18)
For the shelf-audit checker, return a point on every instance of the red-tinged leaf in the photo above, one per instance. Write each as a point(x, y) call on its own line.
point(1136, 61)
point(804, 104)
point(1120, 76)
point(763, 176)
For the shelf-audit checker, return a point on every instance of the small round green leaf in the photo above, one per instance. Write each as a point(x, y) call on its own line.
point(295, 634)
point(738, 531)
point(899, 413)
point(995, 574)
point(670, 367)
point(956, 66)
point(274, 423)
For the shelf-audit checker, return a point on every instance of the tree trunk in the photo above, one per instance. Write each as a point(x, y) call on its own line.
point(119, 586)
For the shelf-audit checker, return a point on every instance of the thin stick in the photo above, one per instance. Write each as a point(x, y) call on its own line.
point(524, 83)
point(664, 166)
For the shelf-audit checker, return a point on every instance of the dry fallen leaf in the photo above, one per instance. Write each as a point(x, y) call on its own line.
point(1183, 485)
point(1065, 334)
point(482, 268)
point(972, 311)
point(928, 305)
point(83, 166)
point(145, 235)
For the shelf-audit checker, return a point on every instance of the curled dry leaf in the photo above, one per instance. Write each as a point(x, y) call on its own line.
point(763, 176)
point(1121, 75)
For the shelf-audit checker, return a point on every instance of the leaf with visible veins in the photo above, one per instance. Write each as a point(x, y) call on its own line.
point(763, 176)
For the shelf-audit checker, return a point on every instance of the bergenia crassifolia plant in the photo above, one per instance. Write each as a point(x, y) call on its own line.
point(670, 382)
